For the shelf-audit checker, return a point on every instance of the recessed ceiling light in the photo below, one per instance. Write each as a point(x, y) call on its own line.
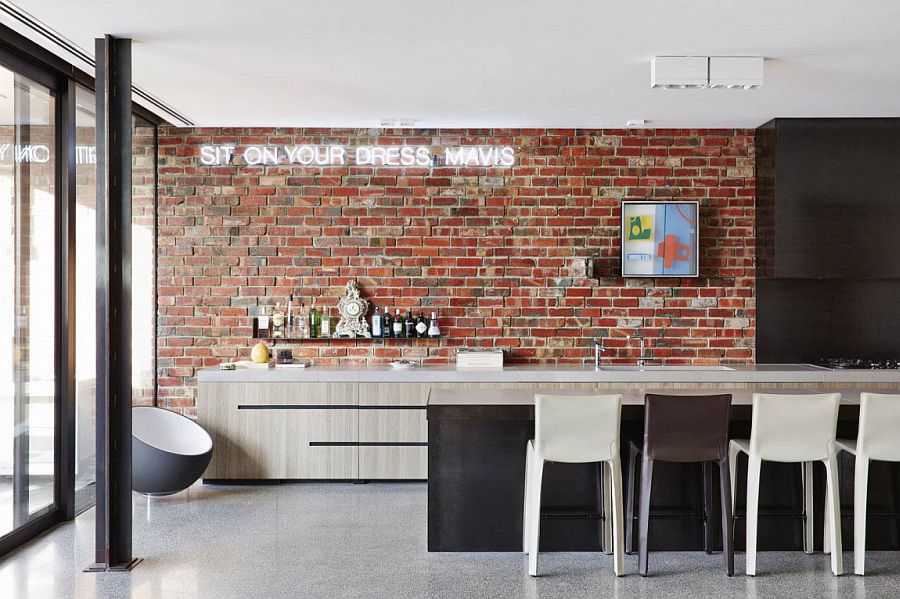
point(408, 122)
point(632, 123)
point(388, 122)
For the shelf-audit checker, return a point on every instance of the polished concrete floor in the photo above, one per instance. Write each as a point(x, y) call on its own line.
point(343, 540)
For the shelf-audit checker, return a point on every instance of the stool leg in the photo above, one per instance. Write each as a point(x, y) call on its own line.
point(733, 452)
point(615, 467)
point(706, 475)
point(834, 505)
point(727, 521)
point(526, 517)
point(644, 513)
point(606, 491)
point(860, 497)
point(753, 469)
point(537, 474)
point(629, 499)
point(808, 519)
point(826, 523)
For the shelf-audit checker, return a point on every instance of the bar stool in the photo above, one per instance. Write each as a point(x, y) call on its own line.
point(879, 421)
point(573, 429)
point(682, 428)
point(791, 428)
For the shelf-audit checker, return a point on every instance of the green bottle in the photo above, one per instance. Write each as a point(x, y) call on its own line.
point(315, 320)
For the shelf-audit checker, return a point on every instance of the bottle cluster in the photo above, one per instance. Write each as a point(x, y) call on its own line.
point(385, 326)
point(300, 322)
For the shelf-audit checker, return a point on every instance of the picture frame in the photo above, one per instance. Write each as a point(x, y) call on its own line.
point(660, 239)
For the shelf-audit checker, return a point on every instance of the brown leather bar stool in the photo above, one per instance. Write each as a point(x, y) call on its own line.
point(682, 428)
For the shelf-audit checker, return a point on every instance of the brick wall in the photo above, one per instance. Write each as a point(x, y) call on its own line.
point(499, 253)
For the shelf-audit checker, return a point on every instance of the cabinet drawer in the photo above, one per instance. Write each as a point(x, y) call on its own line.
point(393, 462)
point(393, 394)
point(386, 424)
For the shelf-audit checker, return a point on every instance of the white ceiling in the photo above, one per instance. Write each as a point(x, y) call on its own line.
point(493, 63)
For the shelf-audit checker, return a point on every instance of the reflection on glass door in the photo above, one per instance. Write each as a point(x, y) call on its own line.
point(27, 299)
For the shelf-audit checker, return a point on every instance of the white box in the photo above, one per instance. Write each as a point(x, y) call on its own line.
point(679, 72)
point(479, 358)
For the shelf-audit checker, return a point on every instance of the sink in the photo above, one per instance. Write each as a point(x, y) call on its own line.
point(636, 368)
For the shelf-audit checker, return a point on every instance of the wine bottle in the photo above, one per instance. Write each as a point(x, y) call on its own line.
point(399, 329)
point(303, 323)
point(433, 329)
point(376, 323)
point(421, 326)
point(290, 315)
point(325, 327)
point(315, 321)
point(387, 327)
point(409, 325)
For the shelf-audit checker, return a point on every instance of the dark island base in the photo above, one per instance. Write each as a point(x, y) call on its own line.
point(476, 475)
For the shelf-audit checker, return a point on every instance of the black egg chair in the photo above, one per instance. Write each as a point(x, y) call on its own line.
point(170, 451)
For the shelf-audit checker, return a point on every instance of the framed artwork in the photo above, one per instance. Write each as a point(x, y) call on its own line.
point(659, 239)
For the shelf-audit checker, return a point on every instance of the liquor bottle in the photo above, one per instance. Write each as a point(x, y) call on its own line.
point(325, 328)
point(376, 323)
point(277, 321)
point(409, 325)
point(387, 327)
point(315, 321)
point(421, 326)
point(399, 330)
point(303, 323)
point(290, 315)
point(433, 329)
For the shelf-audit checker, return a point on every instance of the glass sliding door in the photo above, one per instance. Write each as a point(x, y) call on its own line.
point(85, 297)
point(143, 276)
point(28, 462)
point(143, 262)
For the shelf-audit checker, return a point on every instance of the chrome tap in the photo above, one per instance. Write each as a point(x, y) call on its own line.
point(599, 348)
point(641, 361)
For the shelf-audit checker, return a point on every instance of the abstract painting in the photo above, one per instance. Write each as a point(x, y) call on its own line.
point(659, 239)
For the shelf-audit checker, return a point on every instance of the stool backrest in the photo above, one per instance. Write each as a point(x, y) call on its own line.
point(577, 428)
point(879, 426)
point(686, 428)
point(794, 428)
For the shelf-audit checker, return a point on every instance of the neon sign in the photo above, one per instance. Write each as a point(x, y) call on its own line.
point(331, 155)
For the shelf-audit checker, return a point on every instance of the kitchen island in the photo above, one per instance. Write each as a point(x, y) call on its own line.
point(476, 469)
point(372, 422)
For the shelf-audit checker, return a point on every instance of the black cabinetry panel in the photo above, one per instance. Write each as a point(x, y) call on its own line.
point(829, 198)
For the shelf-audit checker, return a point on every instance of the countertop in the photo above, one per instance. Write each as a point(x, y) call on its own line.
point(552, 373)
point(630, 397)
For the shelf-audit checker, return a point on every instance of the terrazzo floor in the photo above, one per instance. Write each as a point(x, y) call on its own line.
point(343, 540)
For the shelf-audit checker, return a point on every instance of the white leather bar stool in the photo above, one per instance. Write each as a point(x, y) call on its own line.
point(574, 429)
point(791, 428)
point(879, 421)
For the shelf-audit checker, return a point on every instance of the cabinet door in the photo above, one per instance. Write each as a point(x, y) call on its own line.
point(247, 444)
point(393, 431)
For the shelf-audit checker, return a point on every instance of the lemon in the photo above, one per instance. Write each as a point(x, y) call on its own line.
point(260, 353)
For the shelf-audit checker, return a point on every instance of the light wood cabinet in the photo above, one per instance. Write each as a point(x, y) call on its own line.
point(393, 430)
point(281, 430)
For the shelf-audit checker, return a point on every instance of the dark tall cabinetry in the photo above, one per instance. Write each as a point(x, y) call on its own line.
point(828, 245)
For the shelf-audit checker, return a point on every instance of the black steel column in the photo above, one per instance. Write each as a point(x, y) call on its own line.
point(113, 91)
point(65, 314)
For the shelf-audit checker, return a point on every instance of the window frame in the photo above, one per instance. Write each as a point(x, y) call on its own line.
point(29, 59)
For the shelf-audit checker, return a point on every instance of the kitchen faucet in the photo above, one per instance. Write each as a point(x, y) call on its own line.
point(599, 348)
point(641, 361)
